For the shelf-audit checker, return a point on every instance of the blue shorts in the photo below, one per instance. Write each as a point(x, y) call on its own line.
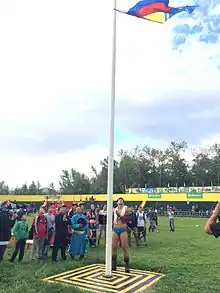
point(118, 231)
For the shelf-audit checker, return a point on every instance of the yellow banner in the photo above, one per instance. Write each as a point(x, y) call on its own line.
point(168, 197)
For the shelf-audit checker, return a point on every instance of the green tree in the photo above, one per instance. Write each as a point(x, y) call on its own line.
point(74, 182)
point(129, 172)
point(33, 188)
point(138, 168)
point(177, 167)
point(52, 188)
point(17, 190)
point(4, 189)
point(24, 189)
point(215, 166)
point(201, 170)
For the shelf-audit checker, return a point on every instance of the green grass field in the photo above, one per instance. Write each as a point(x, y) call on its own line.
point(189, 258)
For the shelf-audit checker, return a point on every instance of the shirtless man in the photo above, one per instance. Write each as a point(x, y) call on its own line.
point(119, 234)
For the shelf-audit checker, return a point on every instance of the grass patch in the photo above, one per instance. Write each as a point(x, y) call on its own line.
point(189, 259)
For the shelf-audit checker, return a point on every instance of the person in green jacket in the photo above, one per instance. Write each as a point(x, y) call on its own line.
point(21, 234)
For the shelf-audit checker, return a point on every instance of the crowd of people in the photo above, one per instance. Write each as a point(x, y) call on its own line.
point(76, 229)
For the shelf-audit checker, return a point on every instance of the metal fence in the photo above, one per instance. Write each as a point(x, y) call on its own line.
point(189, 214)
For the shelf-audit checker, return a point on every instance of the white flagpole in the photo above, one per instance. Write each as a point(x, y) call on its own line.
point(108, 251)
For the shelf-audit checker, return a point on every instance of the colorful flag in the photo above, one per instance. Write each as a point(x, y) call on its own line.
point(157, 10)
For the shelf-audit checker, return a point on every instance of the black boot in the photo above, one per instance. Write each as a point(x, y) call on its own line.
point(114, 260)
point(81, 257)
point(127, 267)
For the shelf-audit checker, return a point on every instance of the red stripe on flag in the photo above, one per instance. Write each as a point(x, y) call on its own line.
point(152, 8)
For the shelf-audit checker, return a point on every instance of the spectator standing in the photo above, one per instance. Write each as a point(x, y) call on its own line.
point(61, 234)
point(171, 220)
point(21, 233)
point(80, 227)
point(102, 218)
point(39, 234)
point(131, 221)
point(92, 217)
point(141, 226)
point(5, 230)
point(50, 230)
point(152, 219)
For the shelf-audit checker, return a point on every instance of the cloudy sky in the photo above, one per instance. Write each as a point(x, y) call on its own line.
point(55, 79)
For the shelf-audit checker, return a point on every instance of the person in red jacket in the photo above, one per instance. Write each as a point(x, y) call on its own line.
point(39, 234)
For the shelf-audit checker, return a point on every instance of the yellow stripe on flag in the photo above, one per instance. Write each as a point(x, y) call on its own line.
point(156, 17)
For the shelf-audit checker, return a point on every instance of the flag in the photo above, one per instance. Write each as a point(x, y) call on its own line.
point(157, 10)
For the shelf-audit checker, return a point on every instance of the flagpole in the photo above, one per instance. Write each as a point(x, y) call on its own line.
point(108, 251)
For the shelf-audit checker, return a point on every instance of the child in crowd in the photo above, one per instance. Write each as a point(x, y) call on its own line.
point(21, 233)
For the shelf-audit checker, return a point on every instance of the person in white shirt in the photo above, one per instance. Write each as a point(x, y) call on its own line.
point(141, 227)
point(171, 220)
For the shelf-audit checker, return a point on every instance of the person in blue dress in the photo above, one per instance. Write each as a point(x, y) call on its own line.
point(79, 236)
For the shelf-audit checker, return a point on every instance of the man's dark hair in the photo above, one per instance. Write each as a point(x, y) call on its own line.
point(120, 198)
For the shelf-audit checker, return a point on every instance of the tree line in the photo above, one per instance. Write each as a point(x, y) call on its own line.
point(138, 168)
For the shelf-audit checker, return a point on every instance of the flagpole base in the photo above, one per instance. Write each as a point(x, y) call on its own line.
point(107, 276)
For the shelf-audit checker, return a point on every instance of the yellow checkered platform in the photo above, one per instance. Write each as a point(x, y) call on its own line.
point(92, 278)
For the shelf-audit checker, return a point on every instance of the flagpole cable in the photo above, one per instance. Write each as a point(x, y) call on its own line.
point(108, 251)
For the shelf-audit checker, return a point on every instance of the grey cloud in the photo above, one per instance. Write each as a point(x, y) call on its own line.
point(83, 130)
point(178, 116)
point(52, 142)
point(172, 118)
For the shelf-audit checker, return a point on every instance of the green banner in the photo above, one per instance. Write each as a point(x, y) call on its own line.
point(195, 195)
point(154, 195)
